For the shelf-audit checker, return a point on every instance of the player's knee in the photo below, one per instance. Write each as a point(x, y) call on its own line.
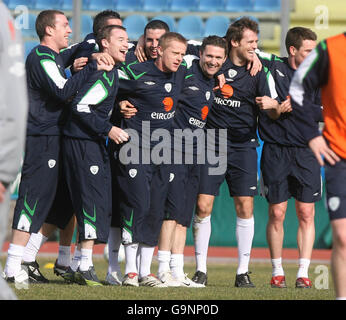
point(339, 239)
point(306, 215)
point(277, 214)
point(204, 209)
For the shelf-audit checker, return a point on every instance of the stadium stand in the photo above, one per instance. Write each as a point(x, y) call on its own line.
point(99, 5)
point(155, 5)
point(48, 4)
point(134, 25)
point(67, 5)
point(266, 5)
point(28, 45)
point(210, 6)
point(216, 25)
point(12, 4)
point(169, 20)
point(191, 27)
point(86, 24)
point(28, 31)
point(238, 5)
point(128, 5)
point(183, 5)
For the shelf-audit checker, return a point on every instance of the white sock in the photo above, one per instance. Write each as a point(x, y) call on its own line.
point(244, 234)
point(277, 267)
point(164, 258)
point(86, 259)
point(177, 265)
point(201, 234)
point(76, 259)
point(14, 259)
point(146, 253)
point(34, 244)
point(131, 258)
point(114, 242)
point(64, 257)
point(303, 268)
point(340, 298)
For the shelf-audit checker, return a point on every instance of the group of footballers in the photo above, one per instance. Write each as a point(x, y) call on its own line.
point(82, 131)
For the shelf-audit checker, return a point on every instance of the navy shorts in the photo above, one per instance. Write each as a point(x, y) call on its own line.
point(88, 177)
point(240, 175)
point(182, 193)
point(38, 187)
point(143, 194)
point(335, 189)
point(289, 172)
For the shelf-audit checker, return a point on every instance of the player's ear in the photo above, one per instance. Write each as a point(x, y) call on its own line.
point(292, 50)
point(159, 51)
point(105, 43)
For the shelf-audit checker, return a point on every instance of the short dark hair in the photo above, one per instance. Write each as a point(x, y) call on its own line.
point(105, 32)
point(46, 18)
point(171, 36)
point(156, 24)
point(295, 37)
point(214, 41)
point(101, 18)
point(236, 29)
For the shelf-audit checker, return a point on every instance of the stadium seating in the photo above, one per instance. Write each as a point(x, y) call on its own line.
point(191, 27)
point(169, 20)
point(128, 5)
point(100, 5)
point(216, 25)
point(48, 4)
point(67, 5)
point(134, 25)
point(266, 5)
point(86, 25)
point(239, 5)
point(210, 6)
point(28, 45)
point(28, 31)
point(12, 4)
point(155, 5)
point(183, 5)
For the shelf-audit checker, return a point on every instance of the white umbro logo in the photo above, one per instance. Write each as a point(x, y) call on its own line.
point(149, 83)
point(280, 73)
point(253, 188)
point(193, 88)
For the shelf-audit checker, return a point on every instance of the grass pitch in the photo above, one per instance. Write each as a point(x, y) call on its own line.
point(220, 285)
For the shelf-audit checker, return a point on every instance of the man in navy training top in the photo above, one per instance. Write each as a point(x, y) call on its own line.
point(288, 166)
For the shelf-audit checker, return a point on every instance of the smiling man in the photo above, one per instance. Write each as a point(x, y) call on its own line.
point(48, 89)
point(234, 109)
point(153, 88)
point(86, 161)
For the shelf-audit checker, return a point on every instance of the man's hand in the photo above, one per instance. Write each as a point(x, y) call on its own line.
point(254, 66)
point(320, 148)
point(286, 105)
point(79, 64)
point(266, 103)
point(118, 135)
point(222, 80)
point(139, 51)
point(103, 58)
point(2, 192)
point(127, 109)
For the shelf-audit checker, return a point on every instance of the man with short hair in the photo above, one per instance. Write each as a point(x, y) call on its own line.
point(153, 88)
point(48, 90)
point(288, 167)
point(324, 68)
point(193, 107)
point(234, 109)
point(85, 156)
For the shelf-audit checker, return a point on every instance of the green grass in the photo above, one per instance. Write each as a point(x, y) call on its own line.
point(220, 286)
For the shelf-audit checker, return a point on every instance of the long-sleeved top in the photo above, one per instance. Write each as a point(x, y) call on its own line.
point(325, 68)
